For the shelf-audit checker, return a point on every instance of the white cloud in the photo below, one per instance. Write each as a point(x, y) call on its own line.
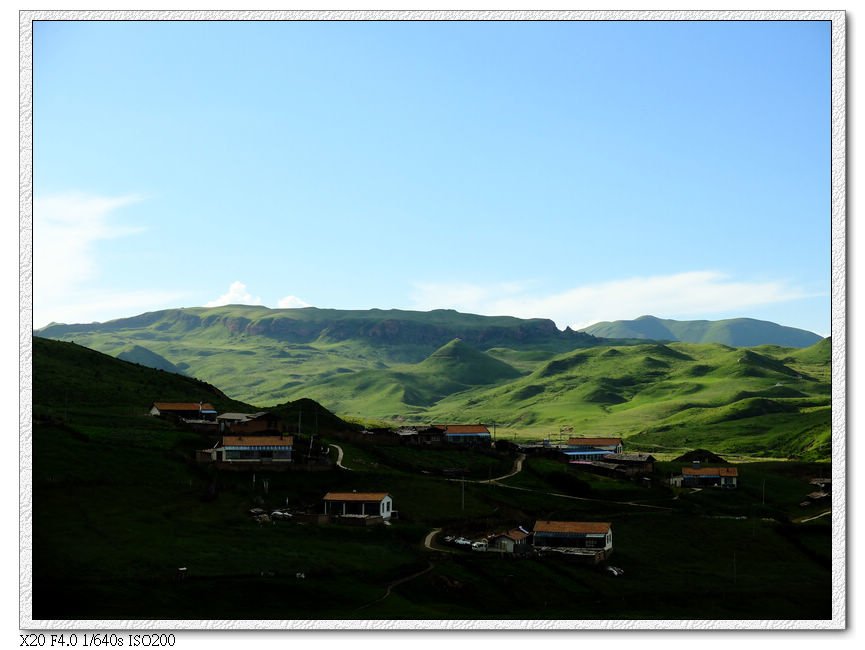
point(684, 295)
point(65, 229)
point(292, 302)
point(236, 295)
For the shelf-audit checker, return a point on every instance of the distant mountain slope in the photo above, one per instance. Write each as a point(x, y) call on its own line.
point(263, 356)
point(463, 363)
point(770, 402)
point(308, 325)
point(408, 388)
point(142, 356)
point(737, 332)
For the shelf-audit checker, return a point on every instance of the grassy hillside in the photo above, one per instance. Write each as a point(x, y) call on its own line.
point(69, 376)
point(119, 506)
point(738, 332)
point(775, 402)
point(263, 355)
point(408, 389)
point(766, 401)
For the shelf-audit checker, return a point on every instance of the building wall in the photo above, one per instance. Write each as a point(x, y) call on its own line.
point(574, 541)
point(255, 455)
point(383, 508)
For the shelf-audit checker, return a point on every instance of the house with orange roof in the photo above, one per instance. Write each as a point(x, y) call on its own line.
point(593, 539)
point(697, 476)
point(254, 449)
point(358, 504)
point(472, 435)
point(184, 410)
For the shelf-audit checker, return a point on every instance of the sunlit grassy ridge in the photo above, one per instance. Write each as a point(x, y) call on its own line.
point(526, 376)
point(658, 396)
point(264, 356)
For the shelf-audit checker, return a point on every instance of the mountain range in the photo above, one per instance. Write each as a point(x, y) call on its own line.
point(527, 376)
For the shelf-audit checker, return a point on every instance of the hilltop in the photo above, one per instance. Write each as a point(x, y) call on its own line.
point(526, 376)
point(71, 379)
point(265, 356)
point(769, 401)
point(737, 332)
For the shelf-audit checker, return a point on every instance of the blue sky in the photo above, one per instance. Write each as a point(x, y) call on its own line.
point(578, 171)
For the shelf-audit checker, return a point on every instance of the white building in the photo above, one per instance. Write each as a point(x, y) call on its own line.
point(364, 504)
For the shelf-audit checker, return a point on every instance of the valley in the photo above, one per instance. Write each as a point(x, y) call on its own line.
point(128, 526)
point(525, 376)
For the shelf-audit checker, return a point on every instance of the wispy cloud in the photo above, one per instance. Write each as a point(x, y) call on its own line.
point(684, 295)
point(237, 294)
point(67, 229)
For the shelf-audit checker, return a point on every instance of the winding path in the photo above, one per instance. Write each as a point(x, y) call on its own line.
point(802, 521)
point(518, 467)
point(396, 583)
point(339, 455)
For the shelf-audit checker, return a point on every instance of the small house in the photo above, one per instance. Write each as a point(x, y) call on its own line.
point(589, 538)
point(184, 410)
point(515, 540)
point(632, 464)
point(468, 435)
point(255, 449)
point(697, 476)
point(358, 504)
point(588, 449)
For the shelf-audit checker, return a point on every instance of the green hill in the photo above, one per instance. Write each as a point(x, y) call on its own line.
point(142, 356)
point(70, 376)
point(408, 389)
point(466, 365)
point(666, 397)
point(737, 332)
point(769, 400)
point(263, 355)
point(119, 506)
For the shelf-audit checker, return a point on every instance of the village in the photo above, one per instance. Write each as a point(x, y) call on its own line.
point(262, 443)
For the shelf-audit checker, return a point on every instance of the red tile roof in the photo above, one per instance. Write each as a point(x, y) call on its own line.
point(710, 471)
point(463, 428)
point(355, 496)
point(183, 406)
point(257, 441)
point(594, 441)
point(594, 527)
point(515, 534)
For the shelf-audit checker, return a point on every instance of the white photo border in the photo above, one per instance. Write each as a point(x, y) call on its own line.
point(838, 333)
